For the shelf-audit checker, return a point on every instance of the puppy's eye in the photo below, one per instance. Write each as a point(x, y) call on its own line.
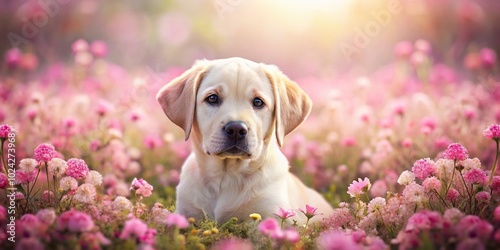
point(212, 99)
point(258, 103)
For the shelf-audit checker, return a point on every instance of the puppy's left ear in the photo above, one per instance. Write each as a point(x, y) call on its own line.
point(178, 97)
point(291, 104)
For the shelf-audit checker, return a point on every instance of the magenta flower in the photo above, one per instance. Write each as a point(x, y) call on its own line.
point(23, 177)
point(134, 228)
point(456, 151)
point(309, 212)
point(492, 132)
point(359, 187)
point(496, 214)
point(13, 57)
point(141, 187)
point(77, 168)
point(80, 222)
point(285, 213)
point(149, 237)
point(425, 220)
point(452, 194)
point(177, 220)
point(337, 240)
point(5, 130)
point(488, 57)
point(431, 183)
point(74, 221)
point(483, 197)
point(475, 176)
point(269, 226)
point(98, 48)
point(495, 184)
point(424, 168)
point(45, 152)
point(4, 181)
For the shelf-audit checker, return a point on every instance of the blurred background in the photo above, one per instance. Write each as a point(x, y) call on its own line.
point(303, 37)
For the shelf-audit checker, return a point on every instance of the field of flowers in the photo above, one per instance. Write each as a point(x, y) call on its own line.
point(405, 152)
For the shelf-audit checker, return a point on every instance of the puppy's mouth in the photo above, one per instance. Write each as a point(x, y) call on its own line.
point(234, 151)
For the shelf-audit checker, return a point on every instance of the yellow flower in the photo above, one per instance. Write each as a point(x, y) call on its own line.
point(256, 216)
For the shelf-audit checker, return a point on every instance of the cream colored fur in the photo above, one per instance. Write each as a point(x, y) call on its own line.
point(222, 185)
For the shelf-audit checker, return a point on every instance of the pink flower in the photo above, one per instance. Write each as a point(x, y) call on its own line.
point(285, 213)
point(359, 187)
point(403, 49)
point(80, 222)
point(333, 240)
point(379, 188)
point(269, 226)
point(13, 57)
point(492, 132)
point(23, 177)
point(77, 168)
point(141, 187)
point(483, 197)
point(349, 141)
point(4, 181)
point(152, 142)
point(31, 243)
point(456, 151)
point(495, 184)
point(45, 152)
point(310, 211)
point(233, 243)
point(98, 48)
point(133, 228)
point(471, 226)
point(177, 220)
point(452, 194)
point(431, 183)
point(488, 57)
point(425, 220)
point(149, 237)
point(496, 213)
point(5, 130)
point(80, 45)
point(475, 176)
point(75, 221)
point(424, 168)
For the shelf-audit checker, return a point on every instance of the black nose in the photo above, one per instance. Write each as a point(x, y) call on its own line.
point(236, 130)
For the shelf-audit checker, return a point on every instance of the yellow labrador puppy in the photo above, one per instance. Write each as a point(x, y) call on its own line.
point(237, 113)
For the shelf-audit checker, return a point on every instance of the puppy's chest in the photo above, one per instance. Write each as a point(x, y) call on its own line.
point(227, 190)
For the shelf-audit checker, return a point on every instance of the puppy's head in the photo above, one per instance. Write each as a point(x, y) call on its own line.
point(234, 106)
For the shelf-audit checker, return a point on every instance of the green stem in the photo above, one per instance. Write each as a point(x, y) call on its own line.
point(47, 175)
point(494, 164)
point(452, 176)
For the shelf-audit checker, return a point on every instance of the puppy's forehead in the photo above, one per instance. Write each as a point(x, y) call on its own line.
point(237, 73)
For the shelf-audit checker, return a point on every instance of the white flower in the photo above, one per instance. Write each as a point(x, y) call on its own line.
point(28, 165)
point(57, 167)
point(376, 203)
point(406, 178)
point(123, 204)
point(469, 164)
point(85, 193)
point(68, 183)
point(94, 178)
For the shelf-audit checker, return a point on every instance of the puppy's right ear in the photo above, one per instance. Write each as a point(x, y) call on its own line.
point(178, 97)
